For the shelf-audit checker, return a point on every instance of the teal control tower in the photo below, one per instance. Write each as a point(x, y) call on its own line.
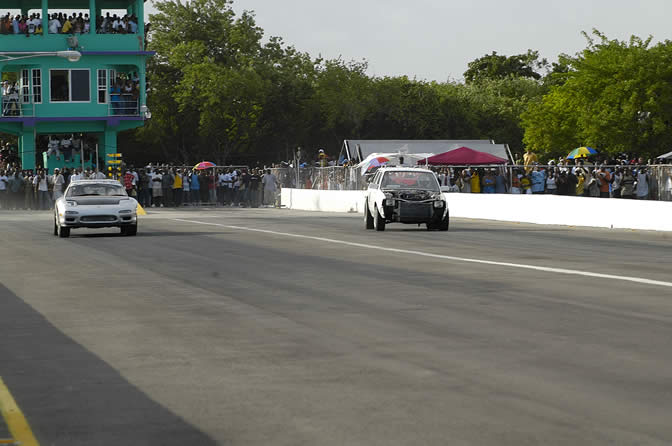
point(84, 80)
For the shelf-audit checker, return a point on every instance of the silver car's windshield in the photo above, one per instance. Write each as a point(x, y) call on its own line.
point(410, 180)
point(96, 190)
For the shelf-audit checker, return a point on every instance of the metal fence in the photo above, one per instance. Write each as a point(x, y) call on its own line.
point(351, 178)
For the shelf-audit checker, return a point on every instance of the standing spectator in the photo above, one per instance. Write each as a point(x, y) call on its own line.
point(235, 188)
point(204, 180)
point(144, 189)
point(538, 179)
point(255, 189)
point(627, 184)
point(167, 181)
point(594, 184)
point(129, 183)
point(642, 190)
point(525, 184)
point(605, 180)
point(270, 183)
point(195, 187)
point(500, 182)
point(28, 191)
point(552, 181)
point(186, 192)
point(244, 188)
point(58, 184)
point(475, 182)
point(516, 187)
point(212, 188)
point(41, 183)
point(488, 182)
point(177, 188)
point(529, 159)
point(4, 183)
point(157, 192)
point(617, 178)
point(465, 176)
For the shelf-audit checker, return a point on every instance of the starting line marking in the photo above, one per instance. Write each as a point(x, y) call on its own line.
point(17, 423)
point(573, 272)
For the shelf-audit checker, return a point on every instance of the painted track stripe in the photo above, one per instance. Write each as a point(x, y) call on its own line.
point(18, 426)
point(639, 280)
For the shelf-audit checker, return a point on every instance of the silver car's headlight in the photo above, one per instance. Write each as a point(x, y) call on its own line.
point(70, 203)
point(125, 211)
point(438, 204)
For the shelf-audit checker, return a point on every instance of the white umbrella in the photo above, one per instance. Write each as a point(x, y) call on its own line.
point(665, 156)
point(375, 158)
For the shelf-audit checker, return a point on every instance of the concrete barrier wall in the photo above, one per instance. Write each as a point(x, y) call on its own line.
point(540, 209)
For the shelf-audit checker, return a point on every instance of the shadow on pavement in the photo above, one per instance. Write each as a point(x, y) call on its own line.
point(71, 397)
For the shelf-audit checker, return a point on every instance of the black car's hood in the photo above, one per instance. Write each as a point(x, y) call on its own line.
point(98, 201)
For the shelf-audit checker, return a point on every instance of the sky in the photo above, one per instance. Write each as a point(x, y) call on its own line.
point(436, 39)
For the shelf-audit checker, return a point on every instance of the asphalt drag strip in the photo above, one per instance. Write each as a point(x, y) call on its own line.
point(70, 396)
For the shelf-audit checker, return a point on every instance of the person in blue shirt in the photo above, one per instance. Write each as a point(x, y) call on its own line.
point(538, 179)
point(195, 188)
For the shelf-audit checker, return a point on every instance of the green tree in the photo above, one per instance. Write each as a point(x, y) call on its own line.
point(496, 66)
point(616, 97)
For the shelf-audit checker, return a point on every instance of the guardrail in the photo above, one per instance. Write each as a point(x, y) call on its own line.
point(127, 105)
point(15, 108)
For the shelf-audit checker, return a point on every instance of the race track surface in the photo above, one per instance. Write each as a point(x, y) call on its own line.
point(276, 327)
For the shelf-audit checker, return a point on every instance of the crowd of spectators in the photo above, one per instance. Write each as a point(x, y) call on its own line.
point(63, 23)
point(174, 187)
point(580, 179)
point(159, 186)
point(36, 189)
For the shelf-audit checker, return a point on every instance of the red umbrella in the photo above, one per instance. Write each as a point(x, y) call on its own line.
point(462, 157)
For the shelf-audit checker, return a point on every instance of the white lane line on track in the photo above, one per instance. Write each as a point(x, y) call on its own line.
point(573, 272)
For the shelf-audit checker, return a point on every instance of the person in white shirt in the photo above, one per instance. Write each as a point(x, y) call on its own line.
point(58, 182)
point(53, 148)
point(98, 175)
point(270, 183)
point(41, 183)
point(54, 25)
point(157, 192)
point(4, 182)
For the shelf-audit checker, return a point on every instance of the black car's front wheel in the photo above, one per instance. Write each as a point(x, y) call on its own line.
point(378, 220)
point(368, 218)
point(445, 223)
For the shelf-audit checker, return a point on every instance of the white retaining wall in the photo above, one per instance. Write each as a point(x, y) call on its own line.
point(540, 209)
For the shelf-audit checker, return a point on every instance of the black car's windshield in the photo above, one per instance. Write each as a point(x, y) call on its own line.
point(410, 180)
point(96, 190)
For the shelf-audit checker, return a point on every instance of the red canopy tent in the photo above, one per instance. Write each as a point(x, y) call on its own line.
point(462, 157)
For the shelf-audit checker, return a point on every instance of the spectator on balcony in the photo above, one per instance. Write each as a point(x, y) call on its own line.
point(66, 147)
point(54, 147)
point(67, 26)
point(115, 97)
point(54, 24)
point(15, 24)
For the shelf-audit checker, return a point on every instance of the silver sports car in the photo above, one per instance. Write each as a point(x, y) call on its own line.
point(95, 204)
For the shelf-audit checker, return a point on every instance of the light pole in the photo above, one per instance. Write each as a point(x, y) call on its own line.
point(72, 56)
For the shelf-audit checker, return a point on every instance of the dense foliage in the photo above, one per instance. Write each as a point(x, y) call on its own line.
point(220, 91)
